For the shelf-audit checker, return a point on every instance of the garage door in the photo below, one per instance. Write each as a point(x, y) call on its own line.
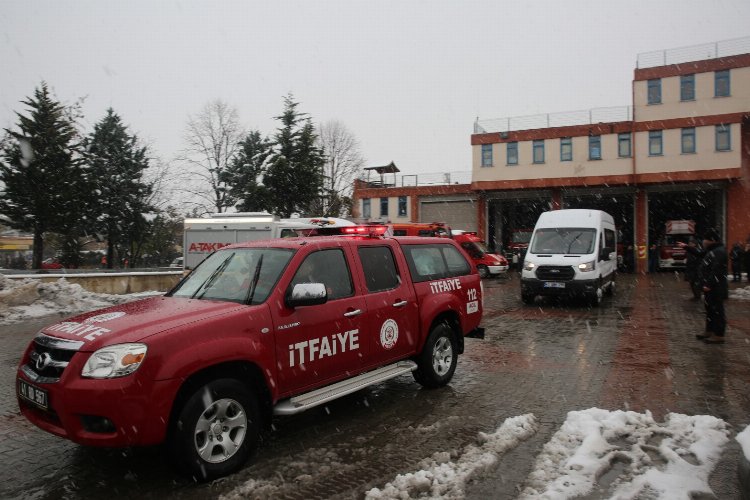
point(457, 214)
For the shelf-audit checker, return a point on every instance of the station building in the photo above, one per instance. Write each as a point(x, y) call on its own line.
point(680, 151)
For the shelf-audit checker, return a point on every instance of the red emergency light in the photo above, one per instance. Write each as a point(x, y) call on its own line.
point(372, 230)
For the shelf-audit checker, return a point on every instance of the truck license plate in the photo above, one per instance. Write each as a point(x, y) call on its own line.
point(553, 284)
point(32, 394)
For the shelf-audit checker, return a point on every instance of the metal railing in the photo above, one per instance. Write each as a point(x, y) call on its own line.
point(561, 119)
point(723, 48)
point(426, 179)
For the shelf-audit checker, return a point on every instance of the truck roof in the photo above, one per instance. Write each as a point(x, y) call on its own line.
point(333, 240)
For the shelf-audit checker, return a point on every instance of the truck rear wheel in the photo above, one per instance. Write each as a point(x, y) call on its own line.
point(437, 361)
point(216, 430)
point(527, 298)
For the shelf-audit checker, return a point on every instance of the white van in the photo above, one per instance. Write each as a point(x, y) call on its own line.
point(572, 253)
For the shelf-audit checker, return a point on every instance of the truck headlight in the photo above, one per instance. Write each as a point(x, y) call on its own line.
point(528, 266)
point(114, 361)
point(588, 266)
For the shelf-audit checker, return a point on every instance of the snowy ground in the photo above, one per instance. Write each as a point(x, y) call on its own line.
point(615, 454)
point(31, 298)
point(740, 293)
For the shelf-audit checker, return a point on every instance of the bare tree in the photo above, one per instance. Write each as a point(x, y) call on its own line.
point(344, 163)
point(213, 138)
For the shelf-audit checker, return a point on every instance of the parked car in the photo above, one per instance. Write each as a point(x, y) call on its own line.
point(177, 263)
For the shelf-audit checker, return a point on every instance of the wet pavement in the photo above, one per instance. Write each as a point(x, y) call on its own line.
point(636, 352)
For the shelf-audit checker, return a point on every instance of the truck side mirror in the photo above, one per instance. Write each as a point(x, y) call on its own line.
point(307, 294)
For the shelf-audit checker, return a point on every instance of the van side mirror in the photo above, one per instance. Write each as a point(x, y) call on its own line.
point(604, 253)
point(307, 294)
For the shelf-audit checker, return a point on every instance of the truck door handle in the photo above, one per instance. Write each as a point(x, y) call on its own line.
point(351, 314)
point(400, 303)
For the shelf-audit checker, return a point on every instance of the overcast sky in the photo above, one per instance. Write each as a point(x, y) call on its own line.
point(407, 78)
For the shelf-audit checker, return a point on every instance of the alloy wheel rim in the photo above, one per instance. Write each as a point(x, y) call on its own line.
point(442, 356)
point(220, 430)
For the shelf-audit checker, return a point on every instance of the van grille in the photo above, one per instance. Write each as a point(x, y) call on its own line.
point(555, 273)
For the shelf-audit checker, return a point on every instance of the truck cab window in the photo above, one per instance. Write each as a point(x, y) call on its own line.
point(328, 267)
point(379, 268)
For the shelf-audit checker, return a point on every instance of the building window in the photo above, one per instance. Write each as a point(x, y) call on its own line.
point(595, 147)
point(654, 143)
point(384, 207)
point(654, 91)
point(687, 88)
point(721, 83)
point(486, 155)
point(512, 153)
point(688, 140)
point(623, 146)
point(566, 149)
point(366, 208)
point(723, 138)
point(538, 151)
point(402, 206)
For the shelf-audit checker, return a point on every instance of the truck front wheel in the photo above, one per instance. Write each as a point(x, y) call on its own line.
point(437, 361)
point(216, 430)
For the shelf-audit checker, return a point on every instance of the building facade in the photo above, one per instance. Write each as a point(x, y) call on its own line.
point(680, 151)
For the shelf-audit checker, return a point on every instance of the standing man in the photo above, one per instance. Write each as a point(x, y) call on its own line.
point(715, 287)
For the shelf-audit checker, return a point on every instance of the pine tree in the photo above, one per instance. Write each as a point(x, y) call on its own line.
point(118, 162)
point(47, 187)
point(245, 172)
point(294, 176)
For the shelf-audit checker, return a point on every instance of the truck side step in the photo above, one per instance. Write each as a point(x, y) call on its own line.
point(328, 393)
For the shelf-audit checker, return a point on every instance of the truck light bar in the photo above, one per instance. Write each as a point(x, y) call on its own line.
point(373, 230)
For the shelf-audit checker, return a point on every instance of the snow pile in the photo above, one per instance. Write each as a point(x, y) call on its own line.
point(31, 298)
point(740, 293)
point(744, 439)
point(631, 452)
point(443, 478)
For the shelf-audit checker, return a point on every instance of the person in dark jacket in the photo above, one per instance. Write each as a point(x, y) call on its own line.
point(692, 266)
point(715, 287)
point(736, 257)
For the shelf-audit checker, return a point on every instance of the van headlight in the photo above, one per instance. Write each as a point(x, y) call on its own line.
point(528, 266)
point(114, 361)
point(587, 267)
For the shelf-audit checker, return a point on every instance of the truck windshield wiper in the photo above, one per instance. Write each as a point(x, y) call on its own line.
point(209, 281)
point(256, 275)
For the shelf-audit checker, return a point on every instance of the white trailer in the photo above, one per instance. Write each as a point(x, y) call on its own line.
point(204, 236)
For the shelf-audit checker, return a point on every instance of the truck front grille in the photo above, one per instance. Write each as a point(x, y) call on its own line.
point(555, 273)
point(49, 357)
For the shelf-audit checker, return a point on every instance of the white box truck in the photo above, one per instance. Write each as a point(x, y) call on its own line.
point(204, 236)
point(572, 253)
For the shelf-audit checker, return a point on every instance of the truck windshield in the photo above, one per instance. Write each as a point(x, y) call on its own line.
point(564, 240)
point(243, 275)
point(475, 249)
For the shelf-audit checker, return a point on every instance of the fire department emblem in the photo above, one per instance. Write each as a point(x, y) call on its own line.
point(389, 334)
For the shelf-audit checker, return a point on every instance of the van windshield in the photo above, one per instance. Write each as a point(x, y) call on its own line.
point(564, 240)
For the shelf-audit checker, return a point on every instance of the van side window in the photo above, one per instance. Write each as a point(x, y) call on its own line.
point(399, 232)
point(379, 268)
point(328, 267)
point(431, 262)
point(609, 239)
point(424, 232)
